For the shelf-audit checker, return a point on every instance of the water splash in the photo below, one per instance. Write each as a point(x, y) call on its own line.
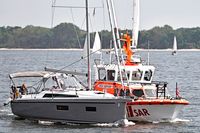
point(46, 123)
point(119, 123)
point(178, 120)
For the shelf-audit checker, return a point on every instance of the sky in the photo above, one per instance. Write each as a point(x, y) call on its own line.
point(176, 13)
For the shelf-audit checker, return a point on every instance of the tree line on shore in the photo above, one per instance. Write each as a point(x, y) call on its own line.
point(67, 35)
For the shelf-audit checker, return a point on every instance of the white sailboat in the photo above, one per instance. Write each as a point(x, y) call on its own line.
point(136, 21)
point(174, 50)
point(96, 45)
point(59, 96)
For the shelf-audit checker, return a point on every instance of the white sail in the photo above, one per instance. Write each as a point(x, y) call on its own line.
point(97, 44)
point(85, 49)
point(136, 17)
point(175, 44)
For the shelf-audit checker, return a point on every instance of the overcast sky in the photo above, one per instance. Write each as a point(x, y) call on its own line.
point(176, 13)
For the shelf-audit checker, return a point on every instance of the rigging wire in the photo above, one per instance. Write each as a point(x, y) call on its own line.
point(72, 15)
point(75, 7)
point(92, 29)
point(52, 24)
point(52, 12)
point(77, 36)
point(103, 6)
point(82, 58)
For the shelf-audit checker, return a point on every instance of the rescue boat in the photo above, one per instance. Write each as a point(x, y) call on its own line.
point(151, 100)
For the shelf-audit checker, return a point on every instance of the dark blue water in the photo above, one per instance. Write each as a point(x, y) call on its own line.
point(183, 68)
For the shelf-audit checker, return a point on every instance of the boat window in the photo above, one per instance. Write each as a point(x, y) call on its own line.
point(138, 93)
point(136, 75)
point(92, 109)
point(110, 74)
point(62, 107)
point(150, 92)
point(102, 74)
point(58, 95)
point(148, 75)
point(125, 75)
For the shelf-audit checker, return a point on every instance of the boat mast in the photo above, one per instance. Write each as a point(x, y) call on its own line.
point(112, 19)
point(88, 46)
point(116, 30)
point(136, 17)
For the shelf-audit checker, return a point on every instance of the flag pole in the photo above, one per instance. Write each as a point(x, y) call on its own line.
point(176, 90)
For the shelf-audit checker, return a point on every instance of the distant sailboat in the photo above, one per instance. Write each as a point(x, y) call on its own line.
point(97, 44)
point(174, 50)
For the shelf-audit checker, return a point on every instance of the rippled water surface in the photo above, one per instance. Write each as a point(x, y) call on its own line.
point(183, 68)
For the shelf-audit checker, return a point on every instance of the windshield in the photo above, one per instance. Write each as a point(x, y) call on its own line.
point(63, 82)
point(150, 92)
point(125, 75)
point(102, 74)
point(148, 75)
point(110, 74)
point(136, 75)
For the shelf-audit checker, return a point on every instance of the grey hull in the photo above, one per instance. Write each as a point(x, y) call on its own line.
point(71, 110)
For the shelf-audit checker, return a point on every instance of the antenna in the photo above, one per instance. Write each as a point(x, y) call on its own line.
point(136, 17)
point(148, 53)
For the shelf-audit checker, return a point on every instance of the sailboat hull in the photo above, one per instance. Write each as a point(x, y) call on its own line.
point(71, 110)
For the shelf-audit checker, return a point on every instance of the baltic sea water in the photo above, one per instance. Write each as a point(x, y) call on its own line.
point(183, 68)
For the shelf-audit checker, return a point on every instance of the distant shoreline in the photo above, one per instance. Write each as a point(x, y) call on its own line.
point(63, 49)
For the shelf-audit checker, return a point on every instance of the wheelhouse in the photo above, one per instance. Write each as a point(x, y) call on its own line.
point(136, 74)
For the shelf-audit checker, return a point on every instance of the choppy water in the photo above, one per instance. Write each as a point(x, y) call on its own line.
point(183, 68)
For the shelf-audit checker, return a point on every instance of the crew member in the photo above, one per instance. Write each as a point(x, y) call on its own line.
point(127, 47)
point(23, 89)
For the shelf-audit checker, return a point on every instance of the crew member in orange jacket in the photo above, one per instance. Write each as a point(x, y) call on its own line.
point(127, 48)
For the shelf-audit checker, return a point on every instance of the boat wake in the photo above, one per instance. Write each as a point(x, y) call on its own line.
point(177, 120)
point(119, 123)
point(4, 110)
point(46, 123)
point(5, 113)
